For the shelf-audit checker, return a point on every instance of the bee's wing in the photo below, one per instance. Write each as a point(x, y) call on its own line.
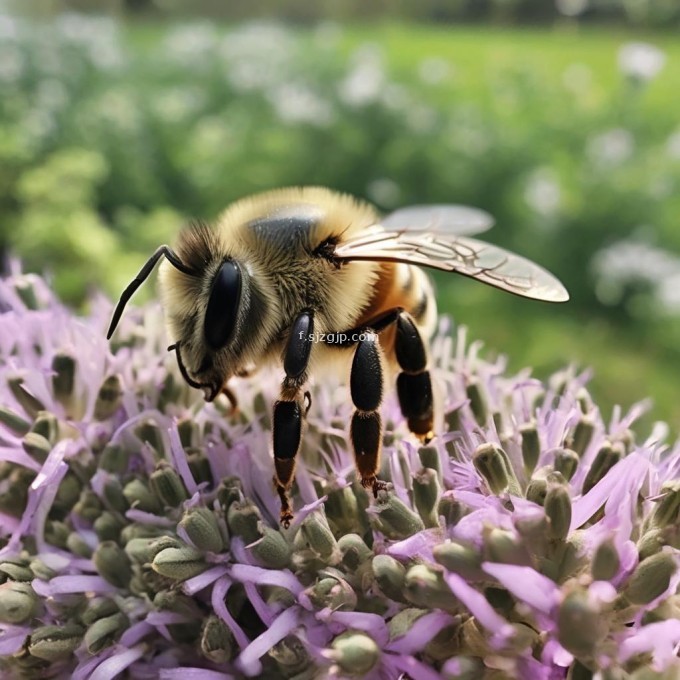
point(452, 253)
point(451, 219)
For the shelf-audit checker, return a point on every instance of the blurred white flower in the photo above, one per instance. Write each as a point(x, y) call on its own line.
point(366, 80)
point(98, 35)
point(295, 103)
point(434, 70)
point(12, 63)
point(9, 27)
point(542, 192)
point(641, 61)
point(673, 145)
point(668, 293)
point(191, 42)
point(177, 104)
point(571, 8)
point(384, 191)
point(611, 148)
point(577, 77)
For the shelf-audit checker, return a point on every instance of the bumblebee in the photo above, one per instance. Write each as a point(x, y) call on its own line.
point(302, 276)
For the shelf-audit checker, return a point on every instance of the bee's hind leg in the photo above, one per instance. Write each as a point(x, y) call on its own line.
point(367, 387)
point(290, 410)
point(414, 385)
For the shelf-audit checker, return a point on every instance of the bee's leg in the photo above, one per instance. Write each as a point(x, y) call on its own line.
point(414, 386)
point(289, 410)
point(367, 387)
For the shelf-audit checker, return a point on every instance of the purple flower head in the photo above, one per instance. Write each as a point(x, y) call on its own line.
point(139, 530)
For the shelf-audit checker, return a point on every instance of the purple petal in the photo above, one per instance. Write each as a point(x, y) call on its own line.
point(116, 664)
point(179, 460)
point(420, 633)
point(63, 585)
point(266, 577)
point(197, 583)
point(135, 633)
point(218, 594)
point(414, 669)
point(538, 591)
point(372, 624)
point(135, 515)
point(418, 545)
point(185, 673)
point(19, 457)
point(13, 638)
point(262, 609)
point(661, 639)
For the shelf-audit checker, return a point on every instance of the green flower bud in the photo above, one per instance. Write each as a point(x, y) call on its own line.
point(394, 518)
point(650, 578)
point(452, 419)
point(168, 486)
point(291, 656)
point(667, 510)
point(68, 493)
point(451, 509)
point(605, 564)
point(537, 490)
point(36, 446)
point(498, 422)
point(489, 463)
point(139, 550)
point(78, 546)
point(179, 564)
point(604, 461)
point(478, 401)
point(502, 546)
point(199, 465)
point(426, 492)
point(425, 587)
point(89, 506)
point(429, 458)
point(316, 534)
point(18, 602)
point(217, 641)
point(109, 397)
point(566, 462)
point(46, 425)
point(114, 495)
point(343, 513)
point(112, 564)
point(105, 632)
point(64, 369)
point(460, 559)
point(354, 551)
point(139, 496)
point(390, 576)
point(531, 446)
point(149, 432)
point(580, 625)
point(40, 570)
point(402, 622)
point(272, 550)
point(228, 492)
point(202, 529)
point(28, 402)
point(115, 459)
point(25, 289)
point(98, 608)
point(139, 530)
point(650, 543)
point(14, 422)
point(355, 652)
point(583, 433)
point(53, 643)
point(243, 519)
point(15, 570)
point(335, 593)
point(558, 511)
point(107, 526)
point(56, 533)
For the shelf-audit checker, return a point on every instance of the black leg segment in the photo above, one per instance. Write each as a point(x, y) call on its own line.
point(366, 379)
point(299, 346)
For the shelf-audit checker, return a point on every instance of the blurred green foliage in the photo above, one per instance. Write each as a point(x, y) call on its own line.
point(112, 135)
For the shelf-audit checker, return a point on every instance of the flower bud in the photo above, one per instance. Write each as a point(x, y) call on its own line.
point(168, 486)
point(650, 543)
point(291, 656)
point(179, 564)
point(402, 622)
point(335, 593)
point(537, 490)
point(502, 546)
point(32, 405)
point(558, 511)
point(53, 643)
point(105, 631)
point(217, 641)
point(140, 497)
point(355, 652)
point(566, 462)
point(40, 570)
point(108, 526)
point(112, 564)
point(18, 602)
point(115, 459)
point(478, 401)
point(490, 465)
point(426, 491)
point(149, 432)
point(36, 446)
point(667, 509)
point(228, 492)
point(114, 495)
point(243, 519)
point(460, 559)
point(451, 509)
point(272, 550)
point(202, 529)
point(425, 587)
point(354, 551)
point(64, 369)
point(580, 625)
point(604, 461)
point(583, 433)
point(395, 519)
point(98, 608)
point(78, 546)
point(390, 576)
point(139, 530)
point(199, 466)
point(88, 507)
point(605, 564)
point(56, 533)
point(650, 578)
point(316, 534)
point(109, 397)
point(453, 422)
point(14, 422)
point(46, 425)
point(15, 570)
point(429, 458)
point(531, 446)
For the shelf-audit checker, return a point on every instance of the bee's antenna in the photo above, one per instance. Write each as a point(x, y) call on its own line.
point(182, 369)
point(141, 277)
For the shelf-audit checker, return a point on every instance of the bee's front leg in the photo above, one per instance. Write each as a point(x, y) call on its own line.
point(289, 412)
point(367, 387)
point(414, 385)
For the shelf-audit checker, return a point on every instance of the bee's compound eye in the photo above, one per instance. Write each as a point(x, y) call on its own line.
point(225, 296)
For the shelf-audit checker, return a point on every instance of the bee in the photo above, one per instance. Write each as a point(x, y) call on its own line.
point(301, 276)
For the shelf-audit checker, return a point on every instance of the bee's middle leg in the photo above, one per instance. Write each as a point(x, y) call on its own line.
point(289, 411)
point(367, 388)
